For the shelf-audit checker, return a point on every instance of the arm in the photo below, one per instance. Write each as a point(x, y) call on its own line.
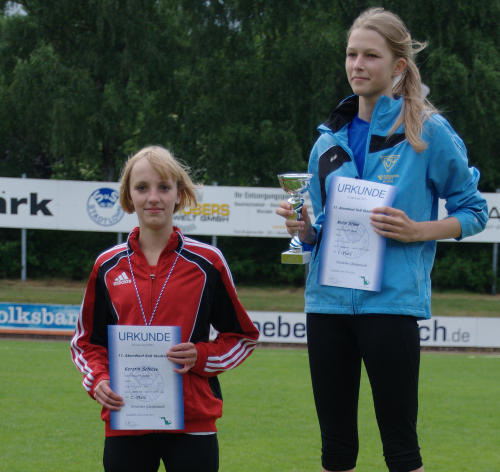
point(306, 231)
point(89, 344)
point(237, 335)
point(452, 180)
point(393, 223)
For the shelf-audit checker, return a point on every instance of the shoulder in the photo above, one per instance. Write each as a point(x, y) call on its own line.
point(110, 254)
point(206, 251)
point(325, 141)
point(206, 257)
point(438, 130)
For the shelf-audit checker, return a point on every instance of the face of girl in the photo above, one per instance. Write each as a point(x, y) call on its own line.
point(153, 197)
point(370, 65)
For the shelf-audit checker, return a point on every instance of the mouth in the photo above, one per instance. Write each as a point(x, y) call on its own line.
point(153, 210)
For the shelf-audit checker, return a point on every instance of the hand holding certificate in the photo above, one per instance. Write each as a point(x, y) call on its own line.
point(353, 252)
point(141, 373)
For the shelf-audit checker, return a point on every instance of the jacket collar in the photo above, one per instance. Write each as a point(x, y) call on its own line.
point(386, 110)
point(174, 243)
point(343, 113)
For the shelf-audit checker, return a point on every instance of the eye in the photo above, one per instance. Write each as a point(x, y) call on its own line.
point(140, 187)
point(164, 187)
point(351, 54)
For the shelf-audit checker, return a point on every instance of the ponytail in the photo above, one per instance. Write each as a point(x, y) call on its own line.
point(416, 108)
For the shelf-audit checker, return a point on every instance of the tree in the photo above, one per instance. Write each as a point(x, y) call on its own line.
point(236, 88)
point(77, 84)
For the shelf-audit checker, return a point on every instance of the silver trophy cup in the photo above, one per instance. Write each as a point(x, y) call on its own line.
point(295, 185)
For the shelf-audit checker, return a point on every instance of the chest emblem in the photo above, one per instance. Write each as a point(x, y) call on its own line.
point(122, 279)
point(389, 161)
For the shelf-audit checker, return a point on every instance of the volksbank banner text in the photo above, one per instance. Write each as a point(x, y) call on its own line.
point(38, 318)
point(222, 211)
point(274, 327)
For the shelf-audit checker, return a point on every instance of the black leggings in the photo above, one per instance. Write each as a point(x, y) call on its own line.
point(389, 346)
point(179, 452)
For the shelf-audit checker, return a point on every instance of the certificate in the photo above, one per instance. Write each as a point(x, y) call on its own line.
point(353, 253)
point(143, 376)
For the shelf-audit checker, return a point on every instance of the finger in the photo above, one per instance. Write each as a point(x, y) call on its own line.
point(177, 358)
point(385, 218)
point(184, 370)
point(284, 204)
point(111, 400)
point(182, 349)
point(383, 209)
point(284, 212)
point(284, 209)
point(304, 215)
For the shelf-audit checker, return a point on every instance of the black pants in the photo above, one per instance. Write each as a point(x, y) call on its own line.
point(179, 452)
point(389, 346)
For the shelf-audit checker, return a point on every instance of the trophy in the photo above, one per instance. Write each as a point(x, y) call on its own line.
point(295, 185)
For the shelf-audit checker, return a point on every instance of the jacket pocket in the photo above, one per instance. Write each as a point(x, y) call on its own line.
point(199, 400)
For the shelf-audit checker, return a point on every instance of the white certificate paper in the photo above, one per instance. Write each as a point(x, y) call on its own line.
point(352, 253)
point(141, 373)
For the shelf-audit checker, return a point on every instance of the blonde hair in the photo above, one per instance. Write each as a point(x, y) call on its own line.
point(416, 109)
point(166, 165)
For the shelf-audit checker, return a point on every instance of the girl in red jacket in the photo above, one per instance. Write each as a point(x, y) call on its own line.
point(161, 277)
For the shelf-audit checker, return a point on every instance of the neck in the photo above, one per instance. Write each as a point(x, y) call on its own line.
point(153, 242)
point(366, 107)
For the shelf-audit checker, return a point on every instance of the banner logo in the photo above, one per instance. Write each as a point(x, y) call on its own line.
point(103, 207)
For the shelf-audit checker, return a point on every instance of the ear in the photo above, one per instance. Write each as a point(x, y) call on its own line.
point(399, 66)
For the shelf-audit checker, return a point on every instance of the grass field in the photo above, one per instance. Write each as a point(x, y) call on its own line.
point(49, 424)
point(253, 298)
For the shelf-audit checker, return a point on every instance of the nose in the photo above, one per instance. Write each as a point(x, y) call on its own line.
point(153, 196)
point(358, 62)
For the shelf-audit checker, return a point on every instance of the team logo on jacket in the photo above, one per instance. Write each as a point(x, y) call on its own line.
point(388, 163)
point(103, 206)
point(122, 279)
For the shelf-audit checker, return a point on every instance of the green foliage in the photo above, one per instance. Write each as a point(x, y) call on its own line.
point(465, 266)
point(234, 88)
point(10, 257)
point(257, 261)
point(52, 254)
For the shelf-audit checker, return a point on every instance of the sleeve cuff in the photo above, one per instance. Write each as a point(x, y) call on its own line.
point(309, 247)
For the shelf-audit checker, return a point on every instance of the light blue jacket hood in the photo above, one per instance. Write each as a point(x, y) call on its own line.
point(440, 171)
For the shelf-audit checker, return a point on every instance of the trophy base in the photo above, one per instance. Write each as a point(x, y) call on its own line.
point(290, 257)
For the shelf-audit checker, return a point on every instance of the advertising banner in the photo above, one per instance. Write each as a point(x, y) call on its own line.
point(222, 211)
point(274, 327)
point(38, 318)
point(440, 331)
point(95, 206)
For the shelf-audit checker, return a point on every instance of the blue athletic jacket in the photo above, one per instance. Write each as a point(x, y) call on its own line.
point(441, 171)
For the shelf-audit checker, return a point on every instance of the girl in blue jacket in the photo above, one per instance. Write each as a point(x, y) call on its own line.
point(388, 133)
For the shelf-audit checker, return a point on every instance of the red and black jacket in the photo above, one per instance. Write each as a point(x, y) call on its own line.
point(199, 294)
